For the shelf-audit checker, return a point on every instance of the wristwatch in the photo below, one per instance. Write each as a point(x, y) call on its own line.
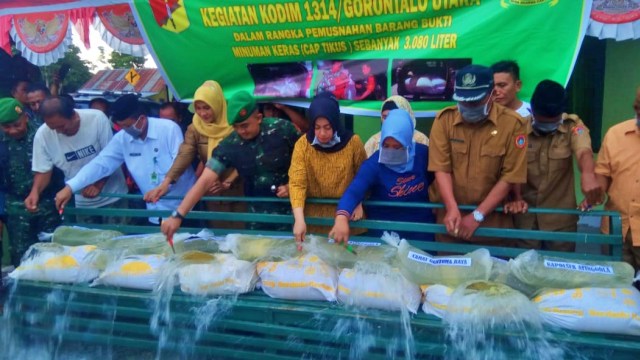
point(477, 216)
point(176, 214)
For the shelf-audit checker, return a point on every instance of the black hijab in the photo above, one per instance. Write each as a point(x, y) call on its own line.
point(326, 105)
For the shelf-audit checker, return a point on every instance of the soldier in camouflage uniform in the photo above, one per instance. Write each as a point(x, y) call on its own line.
point(260, 149)
point(23, 226)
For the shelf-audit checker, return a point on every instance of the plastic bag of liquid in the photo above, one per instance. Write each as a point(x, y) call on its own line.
point(602, 310)
point(532, 271)
point(377, 286)
point(338, 256)
point(436, 299)
point(499, 270)
point(259, 247)
point(144, 244)
point(219, 274)
point(302, 278)
point(482, 301)
point(134, 272)
point(57, 263)
point(76, 235)
point(422, 268)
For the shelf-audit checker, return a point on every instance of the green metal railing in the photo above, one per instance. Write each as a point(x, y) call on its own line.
point(611, 241)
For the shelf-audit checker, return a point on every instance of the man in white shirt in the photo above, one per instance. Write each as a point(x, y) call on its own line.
point(507, 85)
point(69, 140)
point(148, 146)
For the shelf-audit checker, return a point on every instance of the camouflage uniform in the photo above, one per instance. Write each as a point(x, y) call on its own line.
point(34, 118)
point(262, 162)
point(16, 176)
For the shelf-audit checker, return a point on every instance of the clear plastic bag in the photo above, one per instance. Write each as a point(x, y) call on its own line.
point(76, 235)
point(219, 274)
point(57, 263)
point(422, 268)
point(532, 271)
point(259, 247)
point(338, 256)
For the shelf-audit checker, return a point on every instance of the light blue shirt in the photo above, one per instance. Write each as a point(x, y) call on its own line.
point(148, 161)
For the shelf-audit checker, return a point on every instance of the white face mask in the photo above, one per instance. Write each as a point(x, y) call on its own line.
point(334, 140)
point(473, 115)
point(545, 128)
point(133, 130)
point(391, 156)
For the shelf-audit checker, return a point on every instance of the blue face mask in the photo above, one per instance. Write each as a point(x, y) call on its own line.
point(473, 115)
point(391, 156)
point(544, 128)
point(333, 142)
point(133, 130)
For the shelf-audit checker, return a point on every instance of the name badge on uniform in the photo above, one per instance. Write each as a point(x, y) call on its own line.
point(457, 140)
point(135, 154)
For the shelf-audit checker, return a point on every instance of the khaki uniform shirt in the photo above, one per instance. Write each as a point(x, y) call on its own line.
point(478, 156)
point(619, 160)
point(550, 180)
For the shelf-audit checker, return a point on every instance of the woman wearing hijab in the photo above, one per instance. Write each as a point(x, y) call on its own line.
point(323, 164)
point(208, 128)
point(396, 172)
point(394, 102)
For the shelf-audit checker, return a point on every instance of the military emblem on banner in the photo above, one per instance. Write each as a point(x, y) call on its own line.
point(170, 15)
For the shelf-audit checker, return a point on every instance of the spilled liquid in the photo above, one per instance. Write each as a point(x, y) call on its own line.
point(487, 320)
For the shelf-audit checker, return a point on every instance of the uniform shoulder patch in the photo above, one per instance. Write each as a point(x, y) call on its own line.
point(578, 130)
point(521, 141)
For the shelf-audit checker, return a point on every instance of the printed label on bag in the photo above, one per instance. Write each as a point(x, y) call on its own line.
point(594, 269)
point(441, 261)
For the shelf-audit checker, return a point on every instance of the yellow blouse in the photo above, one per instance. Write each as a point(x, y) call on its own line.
point(317, 174)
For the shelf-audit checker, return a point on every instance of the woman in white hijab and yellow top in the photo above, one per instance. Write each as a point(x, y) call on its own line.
point(394, 102)
point(208, 128)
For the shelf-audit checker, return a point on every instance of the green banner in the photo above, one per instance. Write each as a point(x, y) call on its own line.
point(361, 50)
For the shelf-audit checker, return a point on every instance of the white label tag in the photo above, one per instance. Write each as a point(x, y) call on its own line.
point(357, 243)
point(364, 243)
point(593, 269)
point(441, 261)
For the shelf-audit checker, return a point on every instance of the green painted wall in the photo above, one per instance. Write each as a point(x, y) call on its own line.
point(622, 77)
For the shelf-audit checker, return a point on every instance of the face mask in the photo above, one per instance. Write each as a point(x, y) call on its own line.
point(473, 115)
point(545, 128)
point(334, 140)
point(133, 130)
point(390, 156)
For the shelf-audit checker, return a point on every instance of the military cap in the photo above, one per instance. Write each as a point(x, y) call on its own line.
point(10, 110)
point(473, 82)
point(240, 106)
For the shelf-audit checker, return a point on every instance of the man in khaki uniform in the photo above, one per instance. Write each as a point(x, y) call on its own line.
point(554, 138)
point(477, 151)
point(618, 169)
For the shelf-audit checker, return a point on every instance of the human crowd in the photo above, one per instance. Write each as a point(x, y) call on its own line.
point(490, 149)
